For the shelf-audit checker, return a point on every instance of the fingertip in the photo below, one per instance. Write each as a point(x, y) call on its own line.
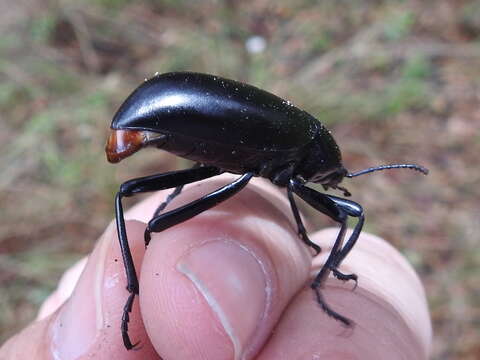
point(383, 271)
point(388, 309)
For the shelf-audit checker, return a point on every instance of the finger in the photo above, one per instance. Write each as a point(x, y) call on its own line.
point(65, 288)
point(388, 309)
point(215, 286)
point(30, 340)
point(88, 324)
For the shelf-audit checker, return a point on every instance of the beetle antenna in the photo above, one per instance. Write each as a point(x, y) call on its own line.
point(415, 167)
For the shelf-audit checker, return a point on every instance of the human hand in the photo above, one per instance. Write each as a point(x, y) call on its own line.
point(231, 283)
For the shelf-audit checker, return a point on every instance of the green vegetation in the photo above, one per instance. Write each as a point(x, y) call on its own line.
point(399, 25)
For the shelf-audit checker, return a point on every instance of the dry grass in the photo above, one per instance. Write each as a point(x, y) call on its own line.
point(393, 80)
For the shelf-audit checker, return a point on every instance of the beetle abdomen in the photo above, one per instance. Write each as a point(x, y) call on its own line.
point(214, 109)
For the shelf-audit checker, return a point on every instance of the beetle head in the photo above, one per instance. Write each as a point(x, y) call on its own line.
point(323, 164)
point(332, 179)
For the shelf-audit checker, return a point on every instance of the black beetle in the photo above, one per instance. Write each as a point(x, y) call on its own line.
point(228, 126)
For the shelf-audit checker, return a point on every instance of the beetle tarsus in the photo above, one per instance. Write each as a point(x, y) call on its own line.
point(327, 309)
point(127, 309)
point(345, 277)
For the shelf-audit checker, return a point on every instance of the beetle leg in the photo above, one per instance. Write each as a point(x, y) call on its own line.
point(167, 201)
point(172, 195)
point(185, 212)
point(355, 210)
point(139, 185)
point(323, 275)
point(301, 228)
point(127, 309)
point(337, 209)
point(344, 277)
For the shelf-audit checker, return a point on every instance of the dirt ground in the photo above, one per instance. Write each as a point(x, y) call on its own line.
point(394, 80)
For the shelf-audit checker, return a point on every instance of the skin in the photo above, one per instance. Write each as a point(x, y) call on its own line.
point(217, 285)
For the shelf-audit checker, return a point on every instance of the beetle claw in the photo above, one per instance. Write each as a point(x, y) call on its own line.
point(345, 277)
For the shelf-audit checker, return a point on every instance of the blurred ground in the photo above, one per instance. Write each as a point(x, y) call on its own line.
point(394, 80)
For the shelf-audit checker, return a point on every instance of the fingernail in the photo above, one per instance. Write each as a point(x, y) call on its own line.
point(226, 273)
point(80, 320)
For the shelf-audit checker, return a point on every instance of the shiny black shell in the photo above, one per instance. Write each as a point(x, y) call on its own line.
point(228, 124)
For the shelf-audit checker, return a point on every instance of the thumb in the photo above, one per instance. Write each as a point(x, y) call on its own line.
point(214, 287)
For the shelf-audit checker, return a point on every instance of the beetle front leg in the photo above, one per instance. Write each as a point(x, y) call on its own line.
point(300, 227)
point(323, 275)
point(338, 211)
point(353, 209)
point(141, 185)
